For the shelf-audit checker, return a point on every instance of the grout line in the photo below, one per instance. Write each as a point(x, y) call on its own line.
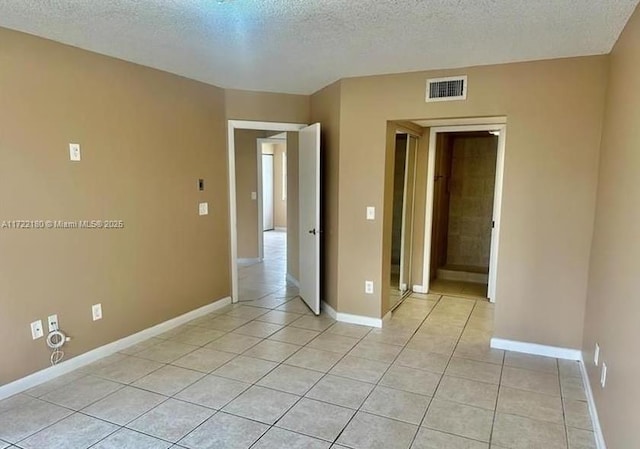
point(495, 411)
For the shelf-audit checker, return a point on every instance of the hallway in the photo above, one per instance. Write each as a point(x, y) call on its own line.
point(258, 279)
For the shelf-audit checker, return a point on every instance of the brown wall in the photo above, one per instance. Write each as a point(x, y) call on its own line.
point(554, 111)
point(247, 182)
point(473, 174)
point(266, 106)
point(146, 136)
point(613, 307)
point(325, 108)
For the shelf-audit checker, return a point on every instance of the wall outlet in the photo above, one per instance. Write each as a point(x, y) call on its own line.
point(371, 213)
point(36, 330)
point(96, 312)
point(603, 375)
point(596, 354)
point(74, 152)
point(53, 323)
point(203, 208)
point(368, 287)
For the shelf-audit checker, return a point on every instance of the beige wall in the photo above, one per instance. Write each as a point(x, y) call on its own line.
point(554, 111)
point(613, 307)
point(247, 182)
point(146, 136)
point(325, 108)
point(293, 244)
point(266, 106)
point(473, 174)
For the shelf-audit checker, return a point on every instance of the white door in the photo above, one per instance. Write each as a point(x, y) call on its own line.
point(267, 192)
point(309, 215)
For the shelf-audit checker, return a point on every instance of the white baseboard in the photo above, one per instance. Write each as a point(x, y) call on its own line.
point(329, 310)
point(536, 349)
point(89, 357)
point(597, 430)
point(420, 289)
point(280, 229)
point(248, 261)
point(349, 318)
point(293, 280)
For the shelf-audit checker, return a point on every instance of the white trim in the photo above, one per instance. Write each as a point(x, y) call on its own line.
point(359, 319)
point(352, 319)
point(497, 206)
point(232, 125)
point(293, 280)
point(418, 289)
point(536, 349)
point(280, 229)
point(597, 429)
point(329, 310)
point(249, 261)
point(259, 200)
point(89, 357)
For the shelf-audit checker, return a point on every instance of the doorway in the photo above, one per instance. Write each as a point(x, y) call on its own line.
point(273, 201)
point(404, 178)
point(463, 210)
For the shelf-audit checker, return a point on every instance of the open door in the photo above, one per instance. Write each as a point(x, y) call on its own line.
point(309, 215)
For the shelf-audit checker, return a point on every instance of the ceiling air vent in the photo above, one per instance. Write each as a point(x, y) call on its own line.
point(447, 89)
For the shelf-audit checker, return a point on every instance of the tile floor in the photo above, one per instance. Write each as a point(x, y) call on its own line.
point(267, 374)
point(458, 288)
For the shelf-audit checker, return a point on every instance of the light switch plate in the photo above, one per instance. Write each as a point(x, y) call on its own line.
point(96, 312)
point(371, 213)
point(203, 208)
point(254, 195)
point(74, 152)
point(36, 330)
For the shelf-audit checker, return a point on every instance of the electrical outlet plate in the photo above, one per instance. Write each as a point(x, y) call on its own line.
point(53, 323)
point(96, 312)
point(371, 213)
point(203, 208)
point(368, 287)
point(596, 354)
point(74, 152)
point(603, 375)
point(36, 330)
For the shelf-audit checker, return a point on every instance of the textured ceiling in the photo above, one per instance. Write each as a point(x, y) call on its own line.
point(299, 46)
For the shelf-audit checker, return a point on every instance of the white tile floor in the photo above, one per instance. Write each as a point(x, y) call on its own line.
point(268, 374)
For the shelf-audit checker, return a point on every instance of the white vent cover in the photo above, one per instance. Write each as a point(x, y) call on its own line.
point(447, 89)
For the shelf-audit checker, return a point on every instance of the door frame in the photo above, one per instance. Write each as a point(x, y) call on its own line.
point(497, 200)
point(403, 236)
point(232, 125)
point(259, 193)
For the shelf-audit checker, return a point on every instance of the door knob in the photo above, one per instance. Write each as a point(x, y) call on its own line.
point(312, 231)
